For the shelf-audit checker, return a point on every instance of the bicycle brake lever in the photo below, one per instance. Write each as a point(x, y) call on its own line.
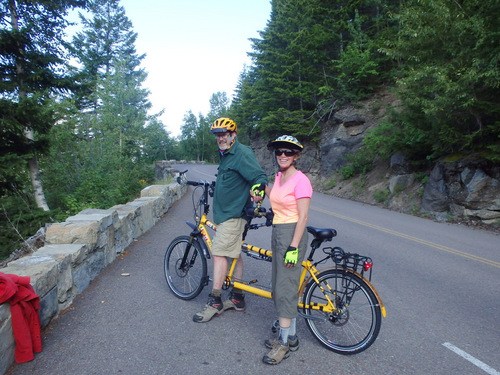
point(256, 211)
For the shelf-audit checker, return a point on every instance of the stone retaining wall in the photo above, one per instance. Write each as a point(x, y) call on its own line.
point(77, 250)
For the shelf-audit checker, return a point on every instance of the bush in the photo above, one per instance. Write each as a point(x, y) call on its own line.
point(19, 220)
point(382, 196)
point(360, 162)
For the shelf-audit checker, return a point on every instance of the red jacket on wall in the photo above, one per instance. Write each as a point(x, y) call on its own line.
point(24, 306)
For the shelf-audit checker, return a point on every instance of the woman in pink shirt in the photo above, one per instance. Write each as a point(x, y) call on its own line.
point(290, 199)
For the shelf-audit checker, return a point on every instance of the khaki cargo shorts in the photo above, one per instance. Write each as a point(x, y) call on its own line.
point(228, 238)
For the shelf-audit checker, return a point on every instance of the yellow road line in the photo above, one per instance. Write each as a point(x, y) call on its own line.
point(197, 170)
point(411, 238)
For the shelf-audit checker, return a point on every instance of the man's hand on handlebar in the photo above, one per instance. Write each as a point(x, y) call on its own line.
point(257, 192)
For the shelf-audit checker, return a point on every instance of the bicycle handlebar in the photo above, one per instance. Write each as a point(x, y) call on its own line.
point(209, 187)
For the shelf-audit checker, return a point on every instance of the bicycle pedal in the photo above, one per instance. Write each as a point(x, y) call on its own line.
point(253, 282)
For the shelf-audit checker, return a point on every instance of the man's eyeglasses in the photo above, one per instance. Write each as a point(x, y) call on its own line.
point(287, 153)
point(221, 135)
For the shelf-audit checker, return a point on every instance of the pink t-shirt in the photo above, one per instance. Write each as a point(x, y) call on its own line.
point(284, 197)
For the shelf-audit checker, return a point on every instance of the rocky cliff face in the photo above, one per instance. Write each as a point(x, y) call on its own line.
point(466, 190)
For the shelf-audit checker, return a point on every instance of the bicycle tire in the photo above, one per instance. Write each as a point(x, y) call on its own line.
point(353, 329)
point(187, 282)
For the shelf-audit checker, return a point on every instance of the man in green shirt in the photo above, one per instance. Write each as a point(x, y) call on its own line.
point(238, 172)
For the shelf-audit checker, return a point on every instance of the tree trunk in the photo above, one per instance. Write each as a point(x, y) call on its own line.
point(36, 182)
point(34, 169)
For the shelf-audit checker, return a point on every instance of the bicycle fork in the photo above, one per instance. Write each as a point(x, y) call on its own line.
point(185, 263)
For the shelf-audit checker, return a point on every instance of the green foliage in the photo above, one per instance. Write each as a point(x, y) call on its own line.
point(157, 143)
point(449, 79)
point(32, 71)
point(31, 50)
point(290, 64)
point(196, 141)
point(19, 220)
point(385, 139)
point(330, 184)
point(382, 196)
point(357, 67)
point(101, 150)
point(347, 171)
point(283, 121)
point(312, 54)
point(96, 143)
point(359, 162)
point(422, 177)
point(84, 172)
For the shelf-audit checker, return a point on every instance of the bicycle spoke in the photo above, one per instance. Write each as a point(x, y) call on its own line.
point(185, 268)
point(353, 326)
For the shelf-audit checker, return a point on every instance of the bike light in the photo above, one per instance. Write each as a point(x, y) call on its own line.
point(367, 266)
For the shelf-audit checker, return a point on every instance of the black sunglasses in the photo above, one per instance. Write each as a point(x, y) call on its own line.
point(286, 152)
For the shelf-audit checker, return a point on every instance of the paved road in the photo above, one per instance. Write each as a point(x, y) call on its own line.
point(439, 282)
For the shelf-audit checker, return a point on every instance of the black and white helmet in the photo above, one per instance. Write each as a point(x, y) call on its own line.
point(285, 141)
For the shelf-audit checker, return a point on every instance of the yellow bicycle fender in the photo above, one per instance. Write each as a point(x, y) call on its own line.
point(370, 285)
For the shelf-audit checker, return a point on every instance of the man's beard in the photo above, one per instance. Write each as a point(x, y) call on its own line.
point(228, 144)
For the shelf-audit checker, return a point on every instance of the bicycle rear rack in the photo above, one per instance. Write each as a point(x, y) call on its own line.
point(357, 263)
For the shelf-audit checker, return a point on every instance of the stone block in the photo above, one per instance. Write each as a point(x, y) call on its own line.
point(42, 270)
point(88, 271)
point(7, 343)
point(105, 218)
point(130, 212)
point(108, 221)
point(68, 258)
point(49, 307)
point(81, 278)
point(43, 273)
point(85, 232)
point(154, 191)
point(143, 220)
point(124, 233)
point(483, 214)
point(76, 252)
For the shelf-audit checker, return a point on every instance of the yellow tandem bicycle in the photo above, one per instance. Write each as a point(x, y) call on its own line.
point(341, 307)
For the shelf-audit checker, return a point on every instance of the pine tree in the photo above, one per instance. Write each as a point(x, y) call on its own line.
point(31, 53)
point(300, 58)
point(449, 79)
point(109, 129)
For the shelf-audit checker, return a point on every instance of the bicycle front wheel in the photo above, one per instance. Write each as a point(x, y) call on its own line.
point(356, 323)
point(185, 267)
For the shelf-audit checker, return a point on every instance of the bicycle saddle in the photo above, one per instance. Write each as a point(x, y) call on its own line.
point(322, 234)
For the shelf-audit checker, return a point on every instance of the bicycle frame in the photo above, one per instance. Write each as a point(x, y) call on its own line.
point(307, 268)
point(343, 310)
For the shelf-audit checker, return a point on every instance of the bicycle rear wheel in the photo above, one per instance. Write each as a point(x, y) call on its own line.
point(357, 323)
point(185, 267)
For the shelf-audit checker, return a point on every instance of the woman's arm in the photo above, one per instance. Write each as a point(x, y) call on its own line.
point(303, 208)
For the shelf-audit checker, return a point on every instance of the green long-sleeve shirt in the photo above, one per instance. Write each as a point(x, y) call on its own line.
point(238, 171)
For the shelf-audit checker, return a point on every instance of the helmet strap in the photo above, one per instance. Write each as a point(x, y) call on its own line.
point(231, 140)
